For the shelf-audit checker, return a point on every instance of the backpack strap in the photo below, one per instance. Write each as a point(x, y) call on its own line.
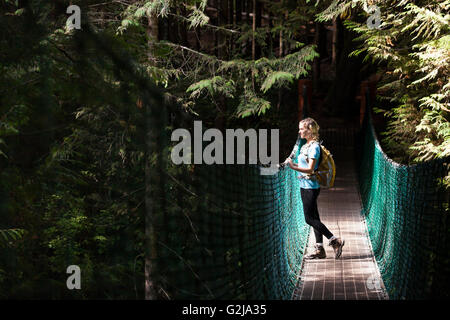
point(320, 150)
point(312, 176)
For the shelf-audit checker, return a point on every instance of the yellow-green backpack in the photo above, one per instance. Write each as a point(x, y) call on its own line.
point(326, 172)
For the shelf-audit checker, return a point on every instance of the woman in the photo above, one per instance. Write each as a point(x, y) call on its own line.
point(308, 162)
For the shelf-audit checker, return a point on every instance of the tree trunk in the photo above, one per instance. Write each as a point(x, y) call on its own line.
point(182, 27)
point(198, 37)
point(253, 31)
point(232, 21)
point(258, 17)
point(316, 64)
point(215, 21)
point(248, 9)
point(280, 54)
point(334, 45)
point(222, 19)
point(340, 99)
point(150, 234)
point(163, 29)
point(238, 5)
point(269, 36)
point(231, 8)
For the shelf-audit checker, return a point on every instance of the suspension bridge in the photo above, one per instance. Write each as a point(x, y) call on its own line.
point(231, 233)
point(355, 276)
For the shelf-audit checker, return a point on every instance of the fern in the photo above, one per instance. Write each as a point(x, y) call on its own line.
point(203, 76)
point(335, 9)
point(197, 18)
point(9, 236)
point(213, 86)
point(252, 105)
point(413, 45)
point(279, 77)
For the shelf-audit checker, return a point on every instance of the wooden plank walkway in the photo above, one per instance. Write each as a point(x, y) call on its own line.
point(355, 276)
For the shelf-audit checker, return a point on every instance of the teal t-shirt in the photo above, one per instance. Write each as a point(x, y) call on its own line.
point(308, 151)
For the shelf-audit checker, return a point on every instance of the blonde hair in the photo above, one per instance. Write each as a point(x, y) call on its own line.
point(312, 126)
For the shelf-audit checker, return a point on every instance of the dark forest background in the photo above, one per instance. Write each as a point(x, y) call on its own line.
point(75, 136)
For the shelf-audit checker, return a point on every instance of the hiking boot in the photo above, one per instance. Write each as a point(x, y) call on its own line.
point(337, 245)
point(318, 254)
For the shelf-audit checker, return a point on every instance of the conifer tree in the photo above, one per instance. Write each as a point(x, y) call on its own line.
point(237, 75)
point(411, 46)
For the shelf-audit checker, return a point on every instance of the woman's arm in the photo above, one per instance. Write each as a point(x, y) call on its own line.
point(308, 170)
point(294, 151)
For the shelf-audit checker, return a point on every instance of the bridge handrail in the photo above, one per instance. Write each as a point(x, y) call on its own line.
point(404, 206)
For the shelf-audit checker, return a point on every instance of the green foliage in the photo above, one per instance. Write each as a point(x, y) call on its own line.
point(71, 184)
point(208, 79)
point(137, 10)
point(251, 105)
point(72, 125)
point(412, 46)
point(9, 236)
point(216, 85)
point(254, 79)
point(279, 78)
point(1, 152)
point(198, 18)
point(334, 9)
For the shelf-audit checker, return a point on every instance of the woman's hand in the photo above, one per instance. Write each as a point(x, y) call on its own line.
point(291, 164)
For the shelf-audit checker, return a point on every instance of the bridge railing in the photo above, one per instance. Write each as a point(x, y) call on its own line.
point(406, 208)
point(226, 231)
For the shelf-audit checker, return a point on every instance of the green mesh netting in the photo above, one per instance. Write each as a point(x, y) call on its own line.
point(231, 233)
point(406, 211)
